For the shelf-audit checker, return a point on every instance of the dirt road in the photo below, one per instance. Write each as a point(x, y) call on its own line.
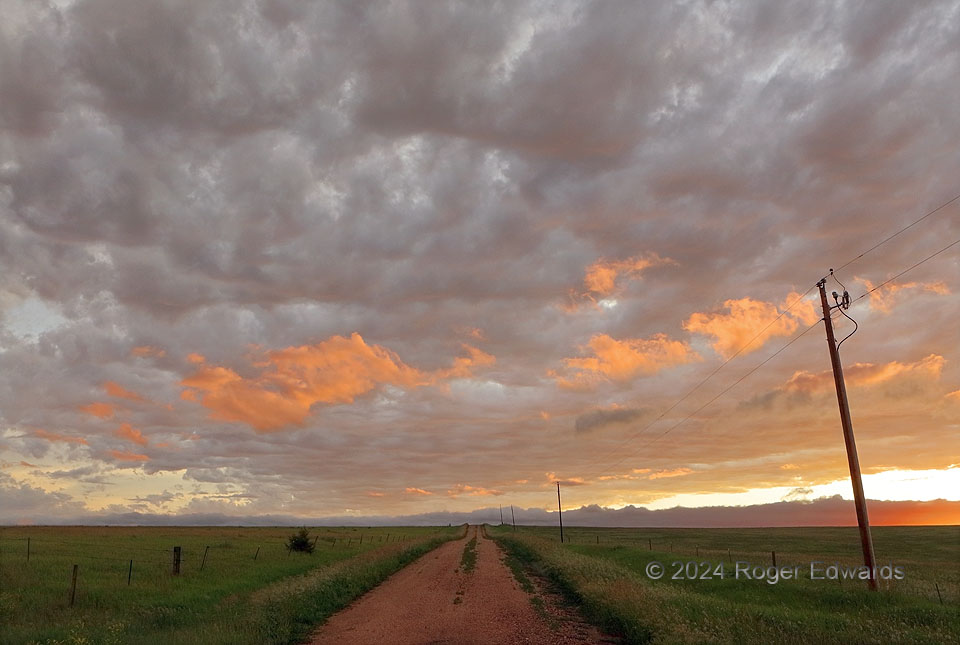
point(434, 601)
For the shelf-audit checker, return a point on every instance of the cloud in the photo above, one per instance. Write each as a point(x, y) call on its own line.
point(747, 320)
point(884, 298)
point(98, 409)
point(799, 493)
point(128, 432)
point(123, 455)
point(866, 374)
point(416, 491)
point(554, 479)
point(675, 472)
point(602, 277)
point(473, 491)
point(621, 360)
point(57, 437)
point(292, 380)
point(116, 390)
point(213, 186)
point(599, 418)
point(146, 351)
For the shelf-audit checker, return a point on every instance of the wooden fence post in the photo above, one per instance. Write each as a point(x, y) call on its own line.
point(257, 553)
point(176, 561)
point(28, 549)
point(773, 556)
point(204, 560)
point(73, 584)
point(650, 543)
point(129, 573)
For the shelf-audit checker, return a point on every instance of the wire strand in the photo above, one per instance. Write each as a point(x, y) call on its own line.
point(720, 394)
point(702, 382)
point(908, 269)
point(905, 228)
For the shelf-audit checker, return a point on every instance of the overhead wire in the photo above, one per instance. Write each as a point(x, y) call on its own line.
point(703, 381)
point(902, 230)
point(717, 396)
point(784, 347)
point(908, 269)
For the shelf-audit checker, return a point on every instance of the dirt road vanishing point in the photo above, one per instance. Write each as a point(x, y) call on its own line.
point(434, 601)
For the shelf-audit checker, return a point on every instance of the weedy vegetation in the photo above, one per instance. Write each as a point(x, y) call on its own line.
point(604, 572)
point(236, 585)
point(469, 558)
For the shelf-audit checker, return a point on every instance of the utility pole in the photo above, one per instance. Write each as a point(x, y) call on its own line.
point(501, 515)
point(560, 512)
point(863, 521)
point(513, 517)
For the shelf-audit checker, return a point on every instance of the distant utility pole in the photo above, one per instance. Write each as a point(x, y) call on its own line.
point(866, 540)
point(501, 515)
point(560, 512)
point(513, 517)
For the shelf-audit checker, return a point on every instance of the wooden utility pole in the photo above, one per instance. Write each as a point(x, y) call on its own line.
point(513, 517)
point(866, 541)
point(501, 515)
point(560, 512)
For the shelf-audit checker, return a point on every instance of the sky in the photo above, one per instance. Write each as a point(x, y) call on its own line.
point(422, 259)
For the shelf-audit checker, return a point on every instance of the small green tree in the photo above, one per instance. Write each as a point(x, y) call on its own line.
point(300, 541)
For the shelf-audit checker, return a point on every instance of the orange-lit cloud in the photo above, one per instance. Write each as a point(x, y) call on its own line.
point(292, 380)
point(57, 437)
point(144, 351)
point(620, 360)
point(476, 491)
point(676, 472)
point(98, 409)
point(746, 318)
point(117, 390)
point(463, 365)
point(602, 277)
point(955, 395)
point(416, 491)
point(865, 374)
point(884, 298)
point(122, 455)
point(373, 493)
point(553, 479)
point(128, 432)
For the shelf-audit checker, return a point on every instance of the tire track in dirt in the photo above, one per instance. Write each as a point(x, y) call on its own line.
point(432, 601)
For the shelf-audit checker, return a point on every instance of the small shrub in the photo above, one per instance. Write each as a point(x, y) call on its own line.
point(300, 541)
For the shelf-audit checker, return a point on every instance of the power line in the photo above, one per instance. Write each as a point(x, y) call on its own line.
point(720, 394)
point(769, 358)
point(908, 226)
point(911, 268)
point(703, 381)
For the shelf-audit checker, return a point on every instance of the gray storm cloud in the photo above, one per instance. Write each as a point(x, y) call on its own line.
point(228, 178)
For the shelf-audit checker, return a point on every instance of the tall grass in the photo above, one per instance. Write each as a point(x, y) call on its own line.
point(609, 582)
point(225, 602)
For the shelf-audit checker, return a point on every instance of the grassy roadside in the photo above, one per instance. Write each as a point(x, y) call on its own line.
point(287, 612)
point(248, 590)
point(469, 558)
point(610, 586)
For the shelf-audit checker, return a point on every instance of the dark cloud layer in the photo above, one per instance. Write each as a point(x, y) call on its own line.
point(556, 185)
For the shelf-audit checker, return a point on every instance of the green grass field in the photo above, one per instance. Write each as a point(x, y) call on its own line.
point(250, 589)
point(605, 571)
